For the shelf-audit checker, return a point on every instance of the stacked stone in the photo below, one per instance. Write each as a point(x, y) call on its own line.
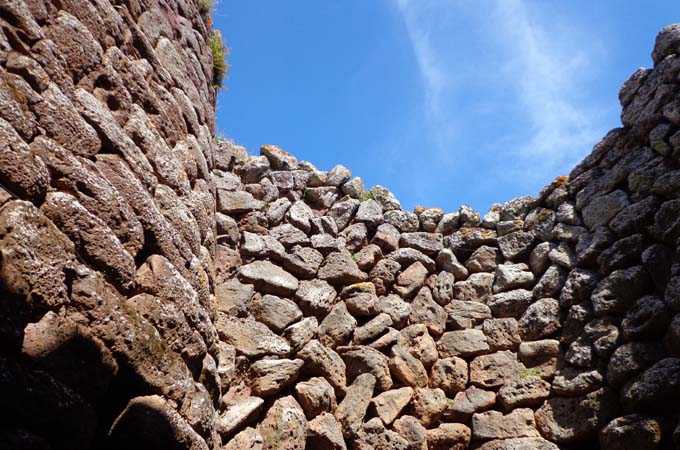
point(107, 227)
point(163, 291)
point(545, 324)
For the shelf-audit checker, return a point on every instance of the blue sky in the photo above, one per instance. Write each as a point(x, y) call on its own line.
point(444, 102)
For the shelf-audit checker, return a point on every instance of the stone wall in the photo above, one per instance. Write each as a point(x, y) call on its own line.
point(107, 228)
point(163, 290)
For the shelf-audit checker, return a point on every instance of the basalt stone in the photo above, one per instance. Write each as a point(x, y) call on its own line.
point(361, 359)
point(516, 246)
point(410, 429)
point(575, 419)
point(631, 432)
point(404, 221)
point(417, 340)
point(428, 405)
point(315, 297)
point(502, 334)
point(268, 278)
point(495, 425)
point(339, 268)
point(428, 243)
point(325, 362)
point(268, 376)
point(655, 389)
point(351, 411)
point(407, 368)
point(284, 427)
point(617, 292)
point(337, 327)
point(494, 370)
point(449, 374)
point(389, 404)
point(316, 396)
point(484, 259)
point(470, 401)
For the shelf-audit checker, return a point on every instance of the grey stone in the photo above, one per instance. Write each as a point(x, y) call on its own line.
point(315, 297)
point(277, 313)
point(428, 243)
point(361, 359)
point(323, 361)
point(450, 375)
point(369, 212)
point(268, 278)
point(470, 401)
point(516, 246)
point(268, 376)
point(572, 382)
point(339, 268)
point(386, 199)
point(316, 396)
point(337, 327)
point(512, 276)
point(523, 392)
point(386, 237)
point(237, 202)
point(462, 343)
point(303, 262)
point(373, 328)
point(426, 311)
point(496, 425)
point(494, 370)
point(603, 208)
point(510, 304)
point(404, 221)
point(617, 292)
point(484, 259)
point(284, 427)
point(429, 218)
point(351, 411)
point(288, 235)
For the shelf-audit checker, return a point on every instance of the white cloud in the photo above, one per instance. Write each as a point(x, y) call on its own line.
point(535, 62)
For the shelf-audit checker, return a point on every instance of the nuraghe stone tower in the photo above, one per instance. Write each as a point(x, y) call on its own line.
point(160, 289)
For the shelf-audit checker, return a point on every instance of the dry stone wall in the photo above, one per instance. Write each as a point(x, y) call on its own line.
point(160, 289)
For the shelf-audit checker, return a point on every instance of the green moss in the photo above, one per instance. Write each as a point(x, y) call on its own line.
point(219, 54)
point(534, 372)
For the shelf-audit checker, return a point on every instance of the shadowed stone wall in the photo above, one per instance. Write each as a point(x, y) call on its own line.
point(163, 290)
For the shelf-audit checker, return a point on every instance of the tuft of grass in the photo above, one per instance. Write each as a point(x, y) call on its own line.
point(205, 6)
point(219, 54)
point(366, 195)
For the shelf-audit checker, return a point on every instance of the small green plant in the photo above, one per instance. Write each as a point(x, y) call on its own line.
point(534, 372)
point(205, 6)
point(366, 195)
point(304, 194)
point(219, 54)
point(449, 401)
point(353, 255)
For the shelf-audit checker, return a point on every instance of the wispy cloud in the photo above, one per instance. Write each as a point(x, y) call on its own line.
point(527, 63)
